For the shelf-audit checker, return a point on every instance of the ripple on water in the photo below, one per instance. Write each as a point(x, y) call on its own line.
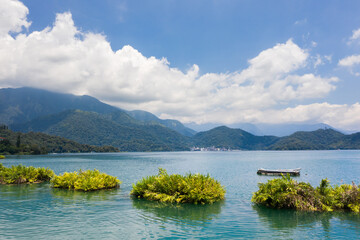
point(36, 211)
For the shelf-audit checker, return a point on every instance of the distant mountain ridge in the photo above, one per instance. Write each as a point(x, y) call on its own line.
point(170, 123)
point(88, 121)
point(20, 105)
point(321, 139)
point(116, 129)
point(224, 137)
point(263, 129)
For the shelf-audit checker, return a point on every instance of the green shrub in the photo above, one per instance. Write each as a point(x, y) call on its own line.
point(191, 188)
point(85, 180)
point(287, 193)
point(21, 174)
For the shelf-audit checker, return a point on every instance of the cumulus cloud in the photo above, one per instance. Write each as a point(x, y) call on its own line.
point(62, 58)
point(12, 16)
point(342, 116)
point(349, 61)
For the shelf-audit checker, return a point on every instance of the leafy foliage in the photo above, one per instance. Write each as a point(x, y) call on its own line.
point(85, 180)
point(287, 193)
point(175, 188)
point(40, 143)
point(22, 174)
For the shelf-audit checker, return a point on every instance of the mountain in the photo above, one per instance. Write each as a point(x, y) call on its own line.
point(88, 121)
point(263, 129)
point(172, 124)
point(287, 129)
point(320, 139)
point(40, 143)
point(224, 137)
point(20, 105)
point(116, 129)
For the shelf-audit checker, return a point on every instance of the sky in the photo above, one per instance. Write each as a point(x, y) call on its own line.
point(222, 62)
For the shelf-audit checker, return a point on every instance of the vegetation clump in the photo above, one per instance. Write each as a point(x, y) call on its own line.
point(287, 193)
point(175, 188)
point(31, 143)
point(22, 174)
point(85, 180)
point(2, 157)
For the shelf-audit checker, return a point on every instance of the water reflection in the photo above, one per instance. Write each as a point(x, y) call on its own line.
point(179, 212)
point(72, 196)
point(280, 219)
point(22, 191)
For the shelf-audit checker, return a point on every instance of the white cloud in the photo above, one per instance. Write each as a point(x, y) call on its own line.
point(319, 60)
point(342, 116)
point(12, 16)
point(356, 35)
point(62, 58)
point(349, 61)
point(301, 22)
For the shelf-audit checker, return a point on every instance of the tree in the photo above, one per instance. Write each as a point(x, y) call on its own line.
point(18, 141)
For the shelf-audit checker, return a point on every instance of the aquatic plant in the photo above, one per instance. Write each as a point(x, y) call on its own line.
point(287, 193)
point(2, 157)
point(22, 174)
point(175, 188)
point(85, 180)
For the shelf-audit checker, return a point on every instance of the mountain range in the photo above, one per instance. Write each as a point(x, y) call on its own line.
point(86, 120)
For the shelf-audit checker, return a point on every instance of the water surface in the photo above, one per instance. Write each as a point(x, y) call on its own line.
point(39, 212)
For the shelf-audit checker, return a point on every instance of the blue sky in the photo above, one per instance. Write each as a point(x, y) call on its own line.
point(196, 61)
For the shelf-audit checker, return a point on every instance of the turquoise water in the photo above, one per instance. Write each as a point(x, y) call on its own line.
point(39, 212)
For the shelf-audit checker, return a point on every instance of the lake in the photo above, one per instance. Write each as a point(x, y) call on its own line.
point(36, 211)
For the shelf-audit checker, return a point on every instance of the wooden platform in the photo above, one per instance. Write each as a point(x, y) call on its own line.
point(278, 172)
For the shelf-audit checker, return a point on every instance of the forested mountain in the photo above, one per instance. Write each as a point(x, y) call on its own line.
point(315, 140)
point(322, 139)
point(24, 104)
point(224, 137)
point(20, 105)
point(116, 129)
point(170, 123)
point(88, 121)
point(40, 143)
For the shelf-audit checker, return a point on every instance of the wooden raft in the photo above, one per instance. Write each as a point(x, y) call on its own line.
point(278, 172)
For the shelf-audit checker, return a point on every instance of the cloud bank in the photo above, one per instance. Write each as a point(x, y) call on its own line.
point(64, 59)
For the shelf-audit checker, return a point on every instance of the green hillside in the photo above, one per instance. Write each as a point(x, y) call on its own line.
point(170, 123)
point(322, 139)
point(115, 129)
point(224, 137)
point(20, 105)
point(86, 120)
point(40, 143)
point(316, 140)
point(24, 104)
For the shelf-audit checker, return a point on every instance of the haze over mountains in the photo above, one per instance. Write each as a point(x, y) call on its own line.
point(86, 120)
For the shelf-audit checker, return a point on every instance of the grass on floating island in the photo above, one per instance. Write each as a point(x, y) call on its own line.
point(21, 174)
point(287, 193)
point(85, 180)
point(175, 188)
